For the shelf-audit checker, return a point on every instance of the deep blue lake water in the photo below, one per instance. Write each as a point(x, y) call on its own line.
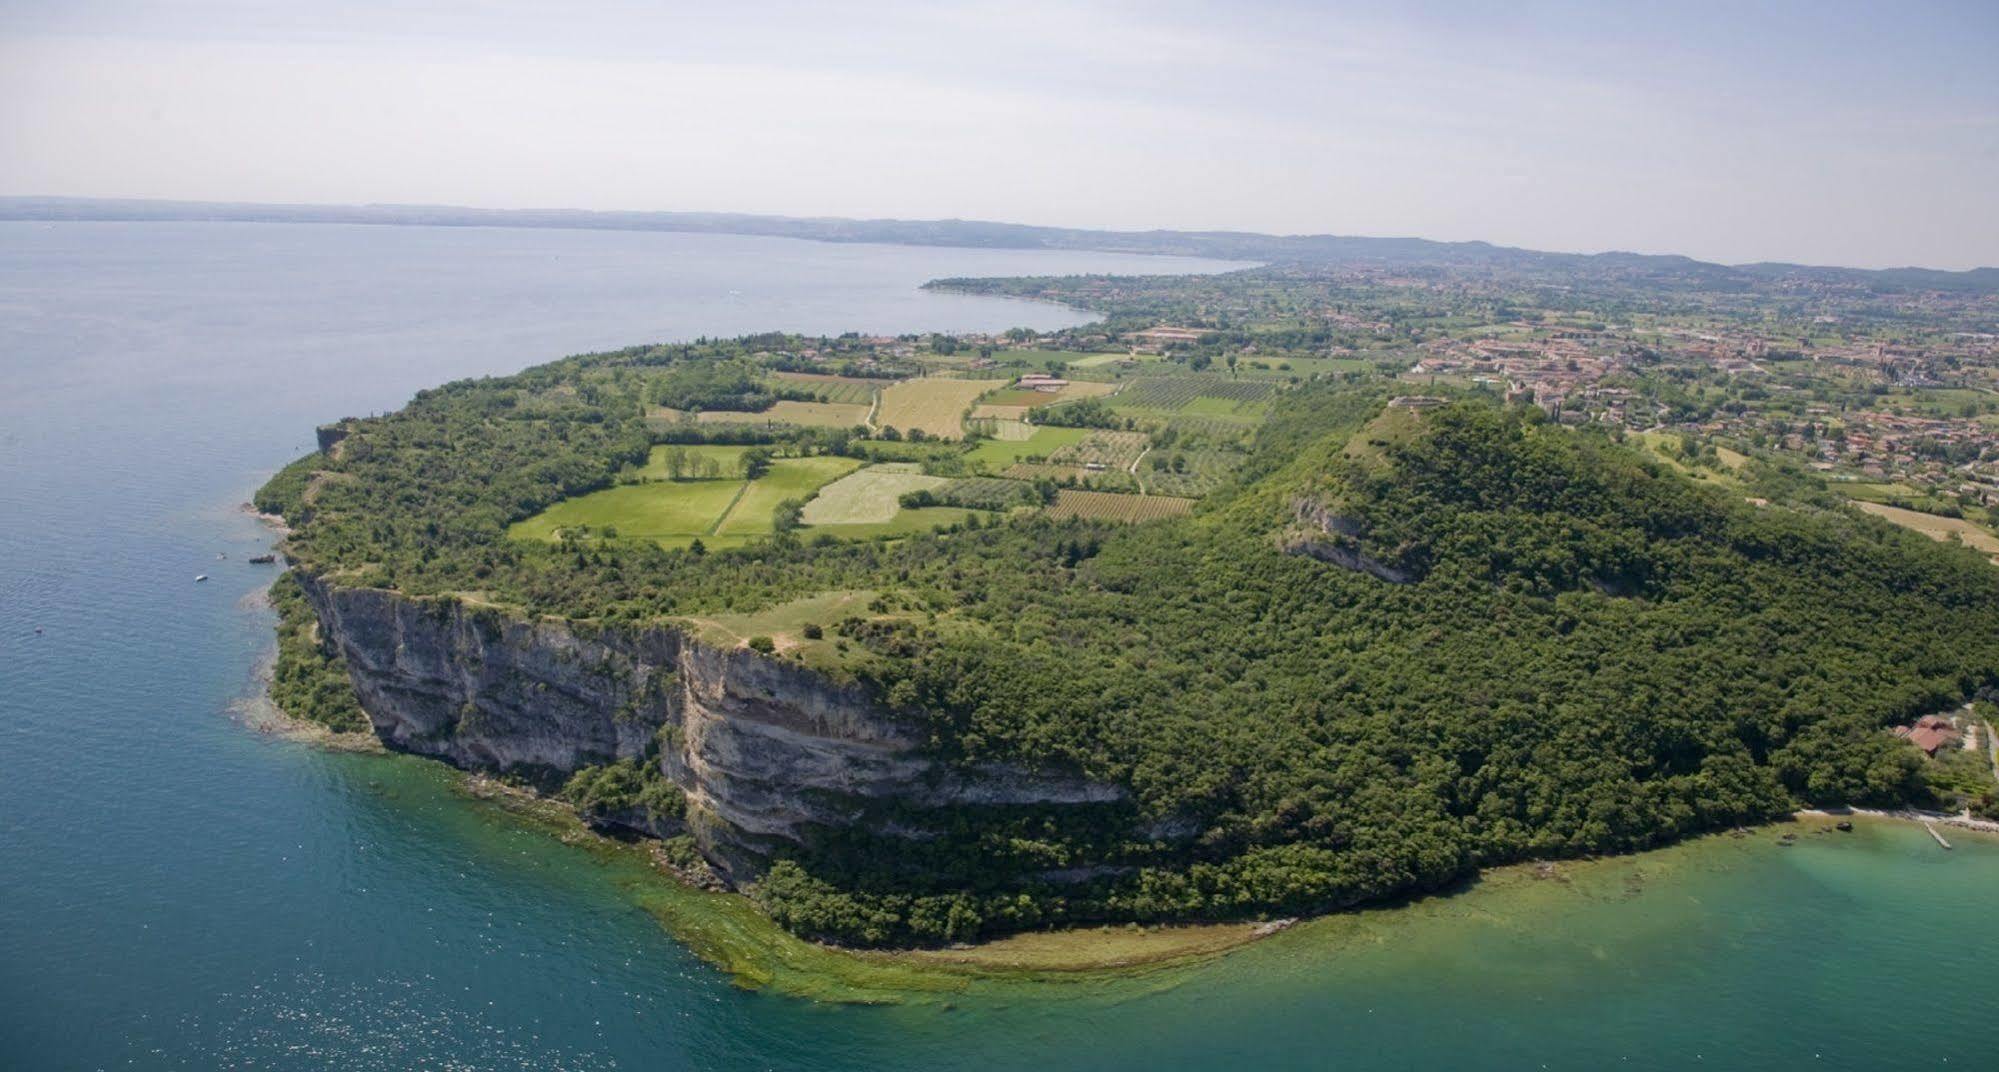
point(178, 890)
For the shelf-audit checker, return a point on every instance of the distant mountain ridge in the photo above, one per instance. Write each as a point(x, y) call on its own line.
point(1229, 245)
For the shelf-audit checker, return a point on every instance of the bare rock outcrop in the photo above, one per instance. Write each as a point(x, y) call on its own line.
point(1327, 536)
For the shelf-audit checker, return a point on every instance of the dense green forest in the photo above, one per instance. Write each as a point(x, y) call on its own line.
point(1593, 653)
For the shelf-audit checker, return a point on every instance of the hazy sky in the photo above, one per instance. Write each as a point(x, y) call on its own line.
point(1825, 132)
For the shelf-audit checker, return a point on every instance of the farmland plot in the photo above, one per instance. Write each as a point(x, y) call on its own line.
point(845, 390)
point(1109, 506)
point(936, 406)
point(869, 495)
point(988, 493)
point(1111, 450)
point(1189, 473)
point(1174, 393)
point(1111, 479)
point(804, 414)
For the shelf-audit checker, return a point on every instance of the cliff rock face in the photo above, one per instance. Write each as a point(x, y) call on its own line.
point(1329, 537)
point(764, 750)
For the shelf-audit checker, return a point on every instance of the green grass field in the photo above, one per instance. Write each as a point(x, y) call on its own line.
point(993, 455)
point(789, 478)
point(672, 513)
point(720, 512)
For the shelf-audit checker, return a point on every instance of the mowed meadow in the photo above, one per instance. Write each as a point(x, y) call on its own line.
point(932, 405)
point(709, 499)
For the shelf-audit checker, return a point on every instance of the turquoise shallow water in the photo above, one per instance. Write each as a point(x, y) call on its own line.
point(177, 890)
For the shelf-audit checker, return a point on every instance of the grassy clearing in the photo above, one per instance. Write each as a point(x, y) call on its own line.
point(1941, 529)
point(1665, 447)
point(720, 512)
point(936, 406)
point(868, 496)
point(789, 478)
point(993, 455)
point(784, 623)
point(1110, 506)
point(671, 513)
point(806, 414)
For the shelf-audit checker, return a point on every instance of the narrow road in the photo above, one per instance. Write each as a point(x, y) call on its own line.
point(1134, 469)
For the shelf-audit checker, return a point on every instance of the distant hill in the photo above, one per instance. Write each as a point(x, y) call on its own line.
point(1412, 253)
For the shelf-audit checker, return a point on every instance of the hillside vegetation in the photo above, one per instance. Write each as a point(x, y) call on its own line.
point(1580, 649)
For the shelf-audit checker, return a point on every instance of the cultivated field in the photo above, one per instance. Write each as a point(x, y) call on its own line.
point(847, 390)
point(1208, 396)
point(1098, 479)
point(988, 493)
point(1112, 450)
point(868, 496)
point(1109, 506)
point(806, 414)
point(1936, 528)
point(936, 406)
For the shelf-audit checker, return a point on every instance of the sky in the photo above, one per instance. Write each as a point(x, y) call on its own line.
point(1826, 132)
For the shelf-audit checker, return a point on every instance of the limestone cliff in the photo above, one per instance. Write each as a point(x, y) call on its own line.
point(1325, 535)
point(765, 750)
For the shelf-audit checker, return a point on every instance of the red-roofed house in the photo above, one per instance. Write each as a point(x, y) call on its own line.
point(1931, 733)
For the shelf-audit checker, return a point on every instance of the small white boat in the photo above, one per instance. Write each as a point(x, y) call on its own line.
point(200, 577)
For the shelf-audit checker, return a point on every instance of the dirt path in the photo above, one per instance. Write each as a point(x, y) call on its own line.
point(1991, 749)
point(720, 521)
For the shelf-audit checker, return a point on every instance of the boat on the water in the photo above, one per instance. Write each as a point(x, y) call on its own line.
point(200, 577)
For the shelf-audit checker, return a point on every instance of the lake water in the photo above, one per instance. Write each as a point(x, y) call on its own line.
point(179, 891)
